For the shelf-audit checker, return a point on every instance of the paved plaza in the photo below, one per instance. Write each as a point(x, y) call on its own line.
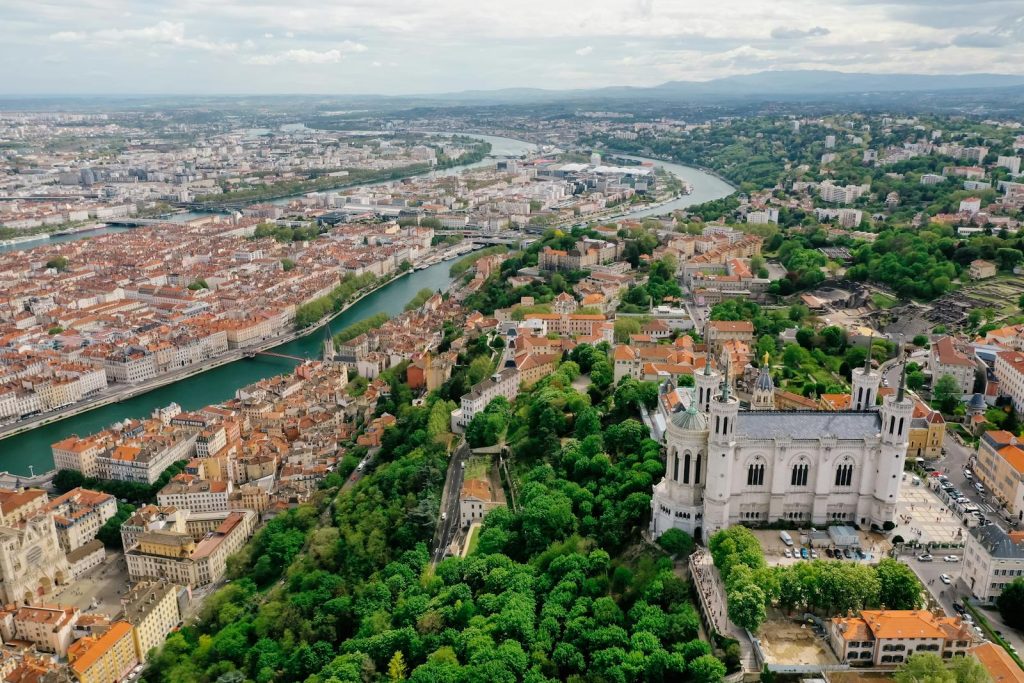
point(925, 519)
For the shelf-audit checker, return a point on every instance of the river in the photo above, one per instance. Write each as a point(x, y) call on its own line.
point(18, 452)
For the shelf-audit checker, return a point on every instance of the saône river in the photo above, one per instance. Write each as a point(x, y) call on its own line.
point(32, 448)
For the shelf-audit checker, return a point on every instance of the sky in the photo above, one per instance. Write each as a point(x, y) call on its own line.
point(434, 46)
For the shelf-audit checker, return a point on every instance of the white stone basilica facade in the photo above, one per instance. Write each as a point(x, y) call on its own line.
point(725, 466)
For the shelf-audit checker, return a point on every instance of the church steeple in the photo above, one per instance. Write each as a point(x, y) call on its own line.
point(763, 396)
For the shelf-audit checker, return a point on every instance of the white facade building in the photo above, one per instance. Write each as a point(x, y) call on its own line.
point(725, 466)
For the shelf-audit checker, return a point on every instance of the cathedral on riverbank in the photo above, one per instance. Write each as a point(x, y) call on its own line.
point(727, 466)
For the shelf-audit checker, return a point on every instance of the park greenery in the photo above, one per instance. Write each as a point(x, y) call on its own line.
point(352, 331)
point(419, 299)
point(559, 586)
point(126, 491)
point(314, 311)
point(825, 588)
point(466, 262)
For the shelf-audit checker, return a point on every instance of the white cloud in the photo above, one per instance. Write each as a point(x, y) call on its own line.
point(584, 51)
point(304, 56)
point(161, 33)
point(268, 36)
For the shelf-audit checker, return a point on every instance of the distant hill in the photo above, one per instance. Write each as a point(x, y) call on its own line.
point(766, 84)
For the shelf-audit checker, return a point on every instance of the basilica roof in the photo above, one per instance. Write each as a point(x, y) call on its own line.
point(800, 424)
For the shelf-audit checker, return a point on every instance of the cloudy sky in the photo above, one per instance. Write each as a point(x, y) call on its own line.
point(423, 46)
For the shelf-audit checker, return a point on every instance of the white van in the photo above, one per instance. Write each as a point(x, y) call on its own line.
point(786, 538)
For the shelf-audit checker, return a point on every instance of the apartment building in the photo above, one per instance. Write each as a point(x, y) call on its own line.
point(79, 514)
point(1009, 369)
point(178, 558)
point(993, 558)
point(49, 628)
point(152, 608)
point(19, 504)
point(949, 356)
point(144, 460)
point(503, 383)
point(151, 518)
point(1000, 467)
point(890, 637)
point(720, 331)
point(106, 658)
point(187, 492)
point(78, 454)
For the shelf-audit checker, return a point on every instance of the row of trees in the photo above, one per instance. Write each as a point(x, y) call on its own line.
point(825, 587)
point(130, 491)
point(312, 312)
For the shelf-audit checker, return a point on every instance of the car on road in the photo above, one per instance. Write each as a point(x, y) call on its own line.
point(945, 578)
point(924, 557)
point(959, 609)
point(968, 475)
point(359, 467)
point(979, 487)
point(950, 558)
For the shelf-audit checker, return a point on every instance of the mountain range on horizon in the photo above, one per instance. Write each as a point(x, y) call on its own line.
point(766, 84)
point(795, 85)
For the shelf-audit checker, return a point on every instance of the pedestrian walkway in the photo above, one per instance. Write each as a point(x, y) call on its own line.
point(923, 518)
point(712, 603)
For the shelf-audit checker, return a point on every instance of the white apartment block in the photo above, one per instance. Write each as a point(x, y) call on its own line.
point(504, 383)
point(1009, 369)
point(992, 559)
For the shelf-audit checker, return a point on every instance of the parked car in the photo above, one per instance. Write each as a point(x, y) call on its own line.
point(950, 558)
point(787, 553)
point(848, 554)
point(925, 557)
point(829, 553)
point(804, 554)
point(860, 554)
point(945, 578)
point(814, 554)
point(979, 487)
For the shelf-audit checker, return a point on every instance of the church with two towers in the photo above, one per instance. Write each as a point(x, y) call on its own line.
point(727, 466)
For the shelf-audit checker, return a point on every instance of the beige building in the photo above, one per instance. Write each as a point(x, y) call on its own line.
point(78, 454)
point(890, 637)
point(152, 608)
point(48, 628)
point(981, 269)
point(19, 504)
point(151, 518)
point(105, 659)
point(79, 514)
point(187, 492)
point(950, 357)
point(720, 331)
point(178, 558)
point(1000, 467)
point(992, 559)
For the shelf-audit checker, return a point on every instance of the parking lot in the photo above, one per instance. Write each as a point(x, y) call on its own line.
point(872, 546)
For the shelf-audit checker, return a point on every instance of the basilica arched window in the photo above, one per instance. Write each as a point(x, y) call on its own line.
point(799, 474)
point(686, 468)
point(696, 469)
point(675, 467)
point(844, 473)
point(755, 473)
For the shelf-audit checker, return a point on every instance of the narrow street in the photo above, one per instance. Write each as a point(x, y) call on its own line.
point(448, 518)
